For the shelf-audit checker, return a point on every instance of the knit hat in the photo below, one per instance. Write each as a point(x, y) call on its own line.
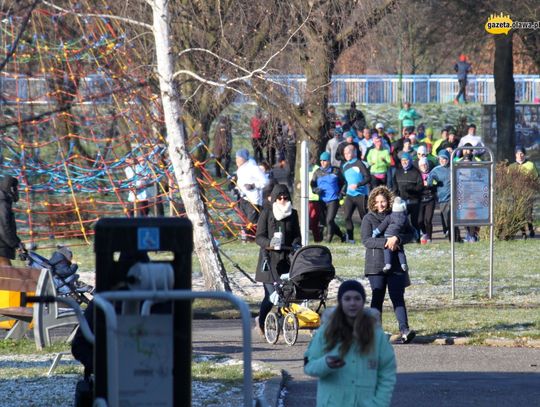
point(379, 126)
point(422, 150)
point(243, 153)
point(325, 156)
point(391, 131)
point(66, 252)
point(351, 285)
point(444, 154)
point(405, 156)
point(399, 205)
point(520, 149)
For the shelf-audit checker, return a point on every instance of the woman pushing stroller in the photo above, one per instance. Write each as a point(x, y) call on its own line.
point(278, 232)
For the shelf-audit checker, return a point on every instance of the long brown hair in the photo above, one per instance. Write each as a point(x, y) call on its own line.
point(380, 190)
point(339, 331)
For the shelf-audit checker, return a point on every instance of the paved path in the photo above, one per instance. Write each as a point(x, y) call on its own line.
point(428, 375)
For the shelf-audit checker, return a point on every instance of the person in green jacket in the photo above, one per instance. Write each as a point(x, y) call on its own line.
point(351, 355)
point(378, 159)
point(408, 115)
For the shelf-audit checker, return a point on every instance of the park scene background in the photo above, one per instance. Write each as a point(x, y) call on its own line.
point(80, 96)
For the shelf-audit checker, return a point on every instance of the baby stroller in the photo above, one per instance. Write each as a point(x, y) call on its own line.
point(63, 271)
point(309, 275)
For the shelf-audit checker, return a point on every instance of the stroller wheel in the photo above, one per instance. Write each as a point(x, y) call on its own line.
point(271, 328)
point(290, 328)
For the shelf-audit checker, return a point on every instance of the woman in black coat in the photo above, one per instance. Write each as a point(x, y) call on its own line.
point(278, 231)
point(380, 204)
point(9, 241)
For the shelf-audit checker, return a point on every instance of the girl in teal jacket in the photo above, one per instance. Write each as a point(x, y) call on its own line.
point(351, 355)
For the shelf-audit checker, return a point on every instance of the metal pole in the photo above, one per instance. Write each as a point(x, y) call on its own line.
point(451, 226)
point(304, 192)
point(492, 222)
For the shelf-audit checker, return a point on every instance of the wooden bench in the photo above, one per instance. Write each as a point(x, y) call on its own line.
point(45, 317)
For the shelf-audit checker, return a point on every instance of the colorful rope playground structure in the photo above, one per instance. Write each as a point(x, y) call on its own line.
point(76, 112)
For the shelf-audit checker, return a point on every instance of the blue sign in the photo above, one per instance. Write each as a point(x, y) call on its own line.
point(148, 239)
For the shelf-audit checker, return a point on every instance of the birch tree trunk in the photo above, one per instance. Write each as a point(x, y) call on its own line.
point(214, 274)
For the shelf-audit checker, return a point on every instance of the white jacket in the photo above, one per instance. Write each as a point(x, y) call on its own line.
point(249, 173)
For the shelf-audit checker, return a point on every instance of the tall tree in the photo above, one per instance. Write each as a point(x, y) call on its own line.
point(505, 97)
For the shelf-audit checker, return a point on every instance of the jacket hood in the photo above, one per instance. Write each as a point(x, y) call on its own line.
point(381, 190)
point(280, 190)
point(8, 185)
point(6, 182)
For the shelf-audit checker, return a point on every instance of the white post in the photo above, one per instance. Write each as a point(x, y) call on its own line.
point(304, 192)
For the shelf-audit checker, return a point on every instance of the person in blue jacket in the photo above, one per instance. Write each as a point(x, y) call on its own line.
point(357, 179)
point(440, 178)
point(351, 356)
point(327, 182)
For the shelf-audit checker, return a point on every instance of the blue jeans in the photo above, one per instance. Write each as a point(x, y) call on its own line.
point(396, 290)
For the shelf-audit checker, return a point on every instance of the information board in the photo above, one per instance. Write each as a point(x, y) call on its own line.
point(472, 195)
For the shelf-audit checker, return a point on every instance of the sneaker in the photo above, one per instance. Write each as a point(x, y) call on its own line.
point(408, 336)
point(423, 239)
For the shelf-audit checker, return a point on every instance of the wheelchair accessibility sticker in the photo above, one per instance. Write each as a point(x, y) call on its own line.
point(148, 238)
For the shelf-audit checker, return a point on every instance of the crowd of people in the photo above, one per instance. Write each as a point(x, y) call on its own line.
point(412, 164)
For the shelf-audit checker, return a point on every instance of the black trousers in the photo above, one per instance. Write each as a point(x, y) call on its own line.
point(462, 89)
point(250, 211)
point(445, 214)
point(257, 145)
point(266, 305)
point(359, 203)
point(425, 217)
point(331, 227)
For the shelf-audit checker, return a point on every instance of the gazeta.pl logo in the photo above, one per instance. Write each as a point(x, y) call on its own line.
point(498, 24)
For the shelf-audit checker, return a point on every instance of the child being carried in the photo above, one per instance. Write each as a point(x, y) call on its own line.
point(394, 224)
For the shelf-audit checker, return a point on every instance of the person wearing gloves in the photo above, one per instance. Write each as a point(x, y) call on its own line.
point(350, 355)
point(278, 234)
point(9, 241)
point(327, 182)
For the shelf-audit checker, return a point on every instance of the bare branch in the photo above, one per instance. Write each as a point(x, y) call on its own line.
point(112, 17)
point(256, 73)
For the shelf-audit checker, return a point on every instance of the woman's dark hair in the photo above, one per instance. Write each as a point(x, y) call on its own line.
point(339, 331)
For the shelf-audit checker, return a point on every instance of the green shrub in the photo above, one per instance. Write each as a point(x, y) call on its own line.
point(515, 192)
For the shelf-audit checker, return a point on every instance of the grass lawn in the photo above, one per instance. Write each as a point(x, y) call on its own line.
point(513, 312)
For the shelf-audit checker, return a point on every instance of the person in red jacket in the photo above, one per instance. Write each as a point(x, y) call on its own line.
point(257, 123)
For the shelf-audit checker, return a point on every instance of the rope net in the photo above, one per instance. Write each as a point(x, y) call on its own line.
point(82, 129)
